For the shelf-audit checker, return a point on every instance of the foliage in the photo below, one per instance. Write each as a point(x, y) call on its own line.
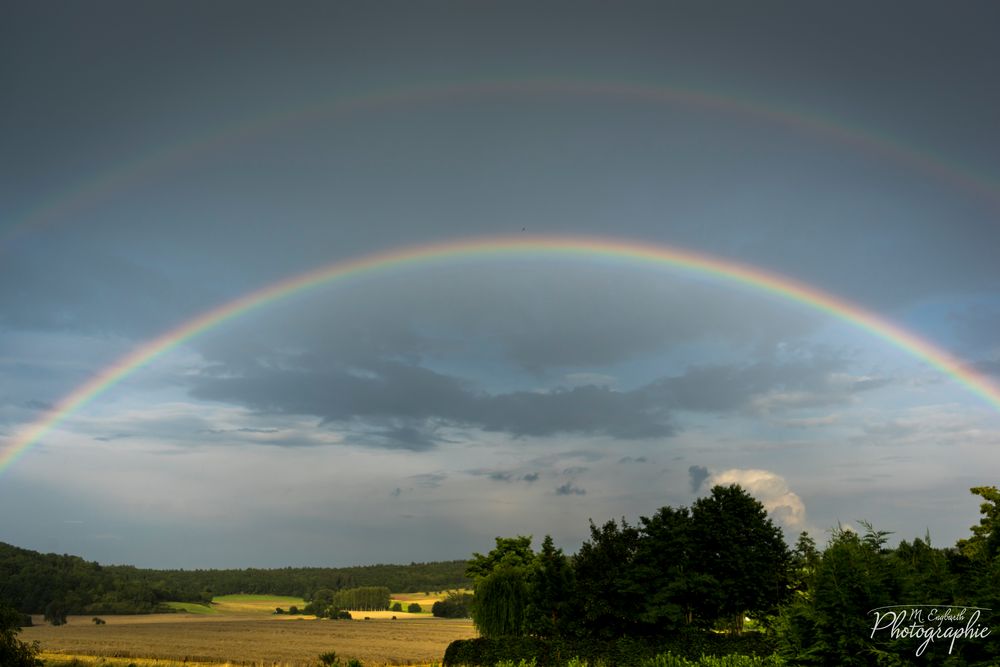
point(14, 652)
point(501, 589)
point(511, 552)
point(499, 603)
point(608, 599)
point(832, 624)
point(414, 608)
point(327, 603)
point(330, 659)
point(396, 606)
point(31, 580)
point(454, 605)
point(666, 570)
point(550, 592)
point(737, 545)
point(803, 562)
point(984, 544)
point(621, 652)
point(731, 660)
point(55, 613)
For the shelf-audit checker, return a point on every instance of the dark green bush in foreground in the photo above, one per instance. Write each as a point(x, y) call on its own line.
point(624, 652)
point(13, 652)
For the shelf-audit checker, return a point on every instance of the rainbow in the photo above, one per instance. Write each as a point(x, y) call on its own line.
point(63, 204)
point(585, 248)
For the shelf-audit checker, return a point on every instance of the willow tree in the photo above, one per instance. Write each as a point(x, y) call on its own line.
point(499, 603)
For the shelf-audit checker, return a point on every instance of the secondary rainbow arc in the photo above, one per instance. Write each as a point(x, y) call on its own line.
point(60, 204)
point(552, 246)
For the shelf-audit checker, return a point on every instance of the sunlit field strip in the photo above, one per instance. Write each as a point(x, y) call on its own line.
point(247, 641)
point(64, 660)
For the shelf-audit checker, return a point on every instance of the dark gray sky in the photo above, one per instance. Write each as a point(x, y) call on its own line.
point(160, 159)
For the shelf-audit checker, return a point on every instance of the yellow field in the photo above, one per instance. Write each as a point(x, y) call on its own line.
point(244, 630)
point(423, 599)
point(254, 604)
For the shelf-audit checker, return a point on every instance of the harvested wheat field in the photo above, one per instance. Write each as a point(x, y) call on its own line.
point(268, 641)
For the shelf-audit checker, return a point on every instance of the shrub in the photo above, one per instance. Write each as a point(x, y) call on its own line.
point(454, 605)
point(623, 652)
point(279, 610)
point(329, 658)
point(13, 652)
point(414, 608)
point(293, 610)
point(98, 621)
point(397, 606)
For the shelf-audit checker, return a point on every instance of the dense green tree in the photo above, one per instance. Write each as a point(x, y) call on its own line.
point(414, 608)
point(802, 564)
point(364, 598)
point(14, 652)
point(454, 605)
point(984, 544)
point(831, 624)
point(550, 592)
point(736, 544)
point(55, 613)
point(665, 568)
point(512, 552)
point(608, 599)
point(923, 572)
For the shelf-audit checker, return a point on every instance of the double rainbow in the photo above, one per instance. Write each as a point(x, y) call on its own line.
point(584, 248)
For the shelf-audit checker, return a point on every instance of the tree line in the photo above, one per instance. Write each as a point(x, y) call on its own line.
point(32, 582)
point(327, 603)
point(689, 577)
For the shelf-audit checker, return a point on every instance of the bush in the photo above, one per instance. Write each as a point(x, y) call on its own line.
point(98, 621)
point(623, 652)
point(454, 605)
point(13, 652)
point(414, 608)
point(397, 607)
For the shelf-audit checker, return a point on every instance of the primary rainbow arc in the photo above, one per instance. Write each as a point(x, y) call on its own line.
point(553, 246)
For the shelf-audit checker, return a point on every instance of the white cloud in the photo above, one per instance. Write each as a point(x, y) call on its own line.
point(770, 489)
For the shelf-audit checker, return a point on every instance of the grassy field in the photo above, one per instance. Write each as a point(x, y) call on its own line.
point(254, 604)
point(242, 629)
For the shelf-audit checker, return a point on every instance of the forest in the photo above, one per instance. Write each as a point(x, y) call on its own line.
point(33, 582)
point(718, 578)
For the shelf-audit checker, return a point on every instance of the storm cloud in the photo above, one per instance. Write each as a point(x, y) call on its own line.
point(417, 401)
